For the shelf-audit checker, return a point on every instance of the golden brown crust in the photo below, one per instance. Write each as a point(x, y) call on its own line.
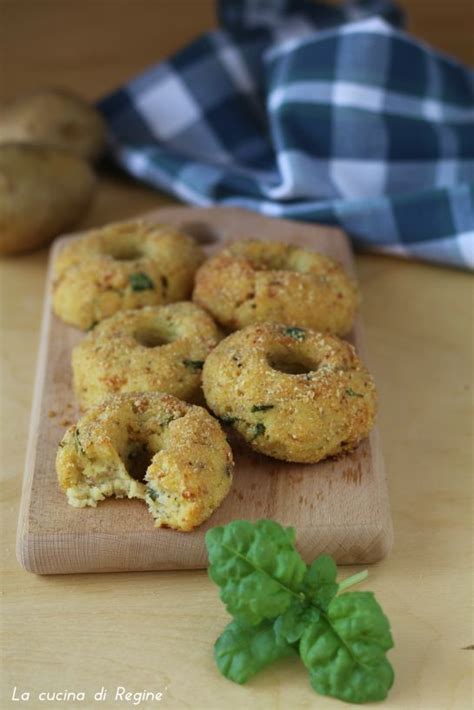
point(292, 393)
point(256, 281)
point(181, 450)
point(156, 348)
point(123, 266)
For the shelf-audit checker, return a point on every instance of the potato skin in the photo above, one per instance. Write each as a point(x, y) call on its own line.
point(57, 118)
point(43, 192)
point(292, 393)
point(261, 281)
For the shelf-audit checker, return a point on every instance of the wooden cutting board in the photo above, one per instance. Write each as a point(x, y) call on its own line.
point(338, 506)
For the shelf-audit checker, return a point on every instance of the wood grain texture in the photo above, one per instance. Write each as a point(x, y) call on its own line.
point(337, 506)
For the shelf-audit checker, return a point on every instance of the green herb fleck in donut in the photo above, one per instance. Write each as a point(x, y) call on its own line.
point(351, 393)
point(77, 441)
point(140, 282)
point(259, 429)
point(194, 364)
point(228, 421)
point(295, 333)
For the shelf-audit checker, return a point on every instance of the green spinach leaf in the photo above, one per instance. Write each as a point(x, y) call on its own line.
point(257, 568)
point(280, 604)
point(344, 650)
point(241, 651)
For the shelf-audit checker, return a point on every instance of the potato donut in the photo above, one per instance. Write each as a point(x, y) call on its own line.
point(292, 393)
point(255, 281)
point(122, 266)
point(160, 348)
point(181, 450)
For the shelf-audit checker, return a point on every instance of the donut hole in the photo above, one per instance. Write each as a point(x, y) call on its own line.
point(137, 459)
point(151, 337)
point(291, 363)
point(267, 262)
point(124, 252)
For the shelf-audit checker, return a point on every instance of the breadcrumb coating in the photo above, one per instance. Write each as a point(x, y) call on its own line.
point(256, 281)
point(123, 266)
point(155, 348)
point(292, 393)
point(151, 446)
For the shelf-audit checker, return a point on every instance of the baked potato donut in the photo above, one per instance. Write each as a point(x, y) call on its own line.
point(122, 266)
point(256, 281)
point(155, 348)
point(292, 393)
point(180, 448)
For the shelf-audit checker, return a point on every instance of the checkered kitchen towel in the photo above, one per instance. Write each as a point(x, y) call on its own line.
point(320, 113)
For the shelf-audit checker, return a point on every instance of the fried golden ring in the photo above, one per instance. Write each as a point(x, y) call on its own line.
point(151, 446)
point(123, 266)
point(255, 281)
point(292, 393)
point(156, 348)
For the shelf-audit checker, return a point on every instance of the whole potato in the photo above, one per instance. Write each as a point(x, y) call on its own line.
point(43, 192)
point(54, 117)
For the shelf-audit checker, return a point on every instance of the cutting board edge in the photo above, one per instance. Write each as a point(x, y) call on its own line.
point(37, 399)
point(238, 211)
point(33, 551)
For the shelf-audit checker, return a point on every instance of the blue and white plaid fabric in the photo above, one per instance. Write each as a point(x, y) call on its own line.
point(312, 112)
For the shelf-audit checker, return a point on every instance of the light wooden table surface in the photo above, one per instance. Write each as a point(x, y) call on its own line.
point(155, 631)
